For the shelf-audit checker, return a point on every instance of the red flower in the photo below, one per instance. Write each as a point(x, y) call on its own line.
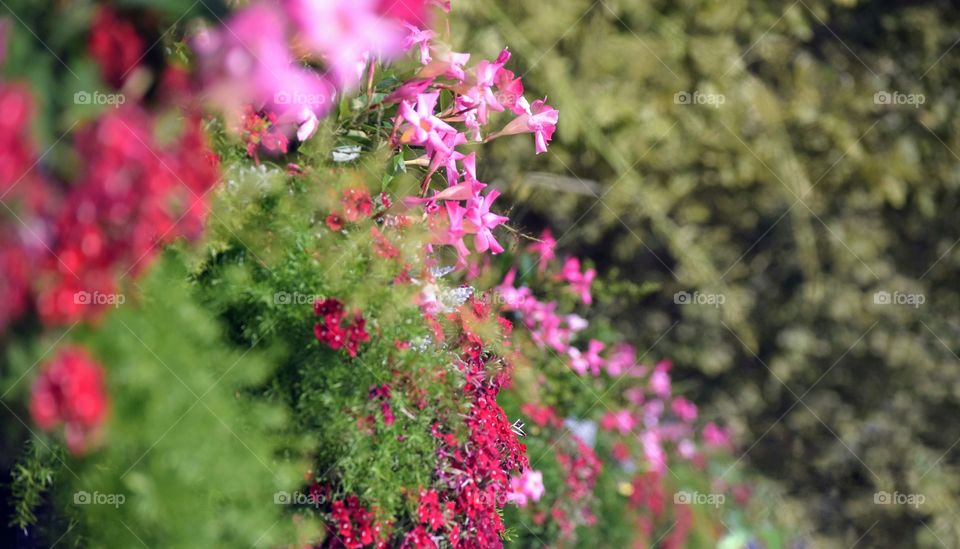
point(334, 222)
point(356, 204)
point(70, 390)
point(382, 246)
point(116, 46)
point(429, 510)
point(332, 333)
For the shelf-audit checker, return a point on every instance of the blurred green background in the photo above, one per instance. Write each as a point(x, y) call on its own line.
point(795, 158)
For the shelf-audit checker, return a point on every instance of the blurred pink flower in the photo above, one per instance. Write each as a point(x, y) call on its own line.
point(684, 409)
point(660, 379)
point(591, 360)
point(546, 249)
point(345, 32)
point(715, 436)
point(527, 487)
point(248, 61)
point(621, 421)
point(579, 282)
point(418, 37)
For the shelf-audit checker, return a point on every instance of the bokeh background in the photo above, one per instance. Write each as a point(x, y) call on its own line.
point(798, 161)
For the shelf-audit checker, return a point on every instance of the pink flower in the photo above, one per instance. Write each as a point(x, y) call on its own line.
point(527, 487)
point(591, 360)
point(623, 360)
point(307, 124)
point(653, 451)
point(423, 127)
point(418, 37)
point(249, 62)
point(622, 421)
point(540, 119)
point(546, 249)
point(512, 298)
point(345, 32)
point(480, 222)
point(509, 90)
point(579, 282)
point(660, 379)
point(446, 62)
point(715, 436)
point(684, 409)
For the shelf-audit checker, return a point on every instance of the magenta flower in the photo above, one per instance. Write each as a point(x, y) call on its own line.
point(527, 487)
point(540, 119)
point(446, 62)
point(421, 38)
point(480, 222)
point(546, 249)
point(423, 127)
point(684, 409)
point(660, 379)
point(579, 282)
point(249, 62)
point(622, 361)
point(621, 421)
point(715, 436)
point(591, 360)
point(345, 32)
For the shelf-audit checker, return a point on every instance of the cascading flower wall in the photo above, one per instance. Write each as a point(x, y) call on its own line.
point(261, 296)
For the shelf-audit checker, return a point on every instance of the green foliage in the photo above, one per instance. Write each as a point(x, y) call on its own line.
point(273, 257)
point(193, 458)
point(797, 199)
point(32, 477)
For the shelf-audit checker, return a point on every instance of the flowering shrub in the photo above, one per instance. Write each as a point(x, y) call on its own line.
point(323, 157)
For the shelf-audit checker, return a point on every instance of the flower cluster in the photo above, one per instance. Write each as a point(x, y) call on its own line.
point(255, 59)
point(331, 331)
point(355, 526)
point(460, 209)
point(116, 46)
point(70, 391)
point(132, 196)
point(476, 472)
